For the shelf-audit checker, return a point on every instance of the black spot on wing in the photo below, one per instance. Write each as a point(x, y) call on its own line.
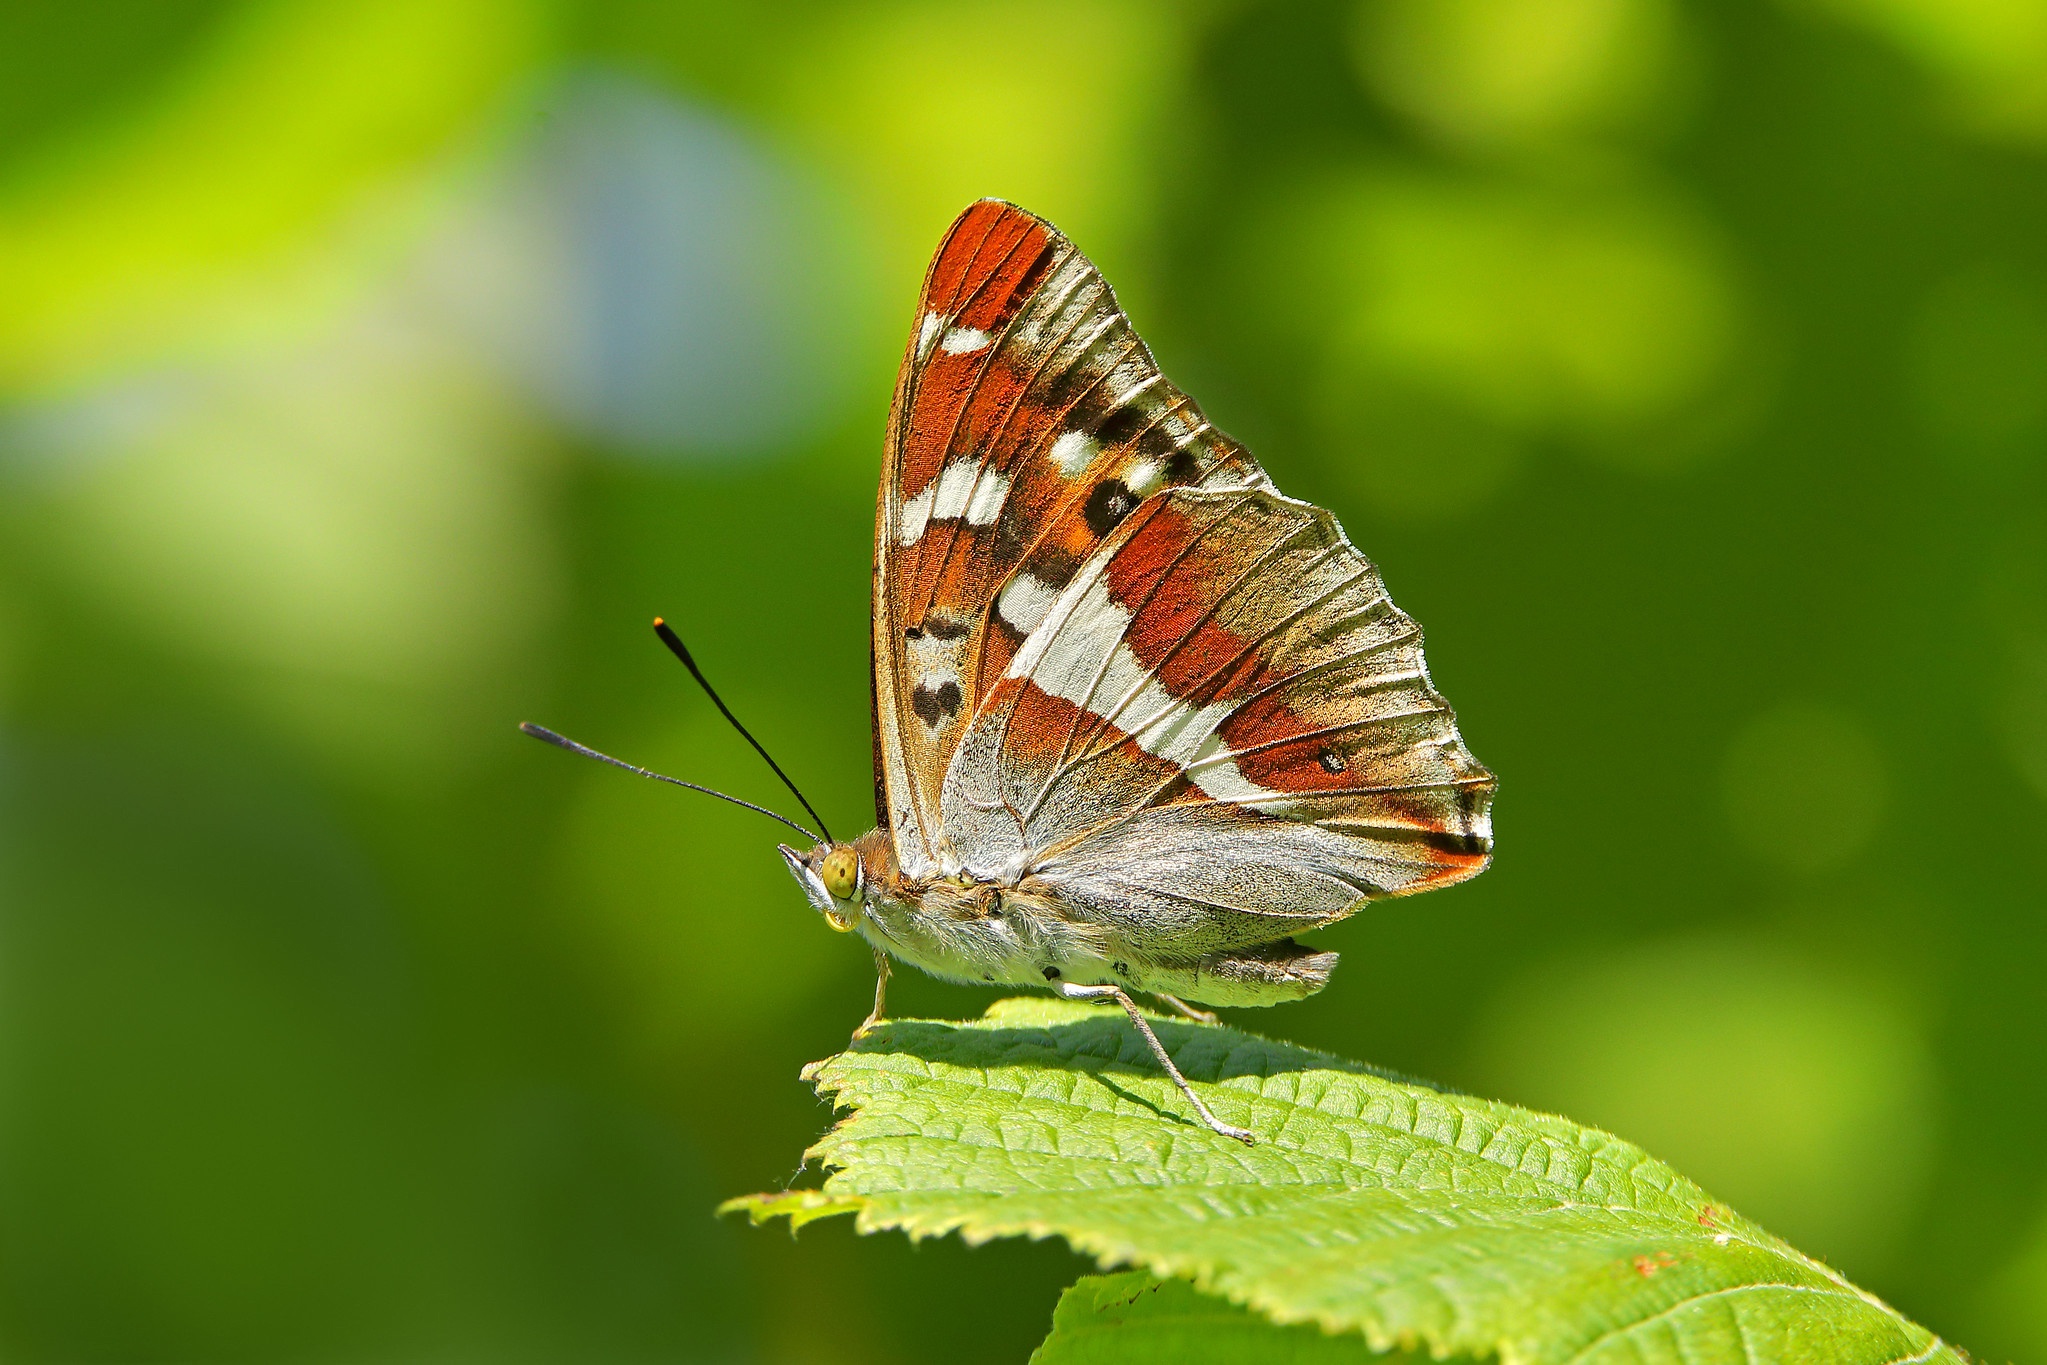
point(1009, 536)
point(1453, 841)
point(1106, 507)
point(1120, 426)
point(934, 705)
point(1156, 443)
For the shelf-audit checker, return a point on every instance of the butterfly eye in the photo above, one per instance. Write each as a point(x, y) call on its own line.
point(840, 872)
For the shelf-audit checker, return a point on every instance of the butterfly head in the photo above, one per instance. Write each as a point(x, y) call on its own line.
point(832, 879)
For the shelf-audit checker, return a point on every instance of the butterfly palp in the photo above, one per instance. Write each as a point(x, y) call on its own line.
point(833, 881)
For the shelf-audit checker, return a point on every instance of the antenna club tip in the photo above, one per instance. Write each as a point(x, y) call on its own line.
point(659, 624)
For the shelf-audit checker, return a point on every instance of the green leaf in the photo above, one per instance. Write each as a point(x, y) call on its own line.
point(1138, 1319)
point(1370, 1204)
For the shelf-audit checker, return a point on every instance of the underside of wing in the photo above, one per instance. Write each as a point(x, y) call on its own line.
point(1222, 731)
point(1029, 423)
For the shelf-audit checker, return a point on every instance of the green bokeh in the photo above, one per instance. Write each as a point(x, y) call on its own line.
point(1680, 364)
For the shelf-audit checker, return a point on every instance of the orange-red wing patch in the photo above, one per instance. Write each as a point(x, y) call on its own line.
point(1111, 662)
point(1239, 644)
point(1029, 422)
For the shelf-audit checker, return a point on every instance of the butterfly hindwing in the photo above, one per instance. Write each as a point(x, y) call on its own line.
point(1030, 421)
point(1222, 732)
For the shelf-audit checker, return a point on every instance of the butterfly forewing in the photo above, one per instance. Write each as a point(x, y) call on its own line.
point(1029, 423)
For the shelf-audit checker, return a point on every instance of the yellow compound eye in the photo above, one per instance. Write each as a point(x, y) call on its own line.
point(841, 873)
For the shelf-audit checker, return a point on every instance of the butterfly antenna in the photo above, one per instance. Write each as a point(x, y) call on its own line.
point(681, 651)
point(541, 732)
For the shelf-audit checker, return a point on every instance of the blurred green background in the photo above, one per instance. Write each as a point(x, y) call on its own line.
point(371, 371)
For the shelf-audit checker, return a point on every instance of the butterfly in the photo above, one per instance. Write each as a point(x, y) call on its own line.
point(1139, 718)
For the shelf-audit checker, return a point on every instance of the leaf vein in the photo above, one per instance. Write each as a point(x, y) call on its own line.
point(1692, 1301)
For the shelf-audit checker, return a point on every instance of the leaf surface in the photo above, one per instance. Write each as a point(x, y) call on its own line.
point(1370, 1204)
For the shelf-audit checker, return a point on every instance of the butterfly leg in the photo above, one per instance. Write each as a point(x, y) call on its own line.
point(1068, 991)
point(880, 993)
point(1183, 1009)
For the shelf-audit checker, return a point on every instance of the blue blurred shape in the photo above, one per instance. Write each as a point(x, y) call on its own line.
point(698, 305)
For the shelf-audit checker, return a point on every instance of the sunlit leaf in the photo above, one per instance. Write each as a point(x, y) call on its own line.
point(1370, 1205)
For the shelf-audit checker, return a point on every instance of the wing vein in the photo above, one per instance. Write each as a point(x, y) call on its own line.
point(1108, 656)
point(1207, 615)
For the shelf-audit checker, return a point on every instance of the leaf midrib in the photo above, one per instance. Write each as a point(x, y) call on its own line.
point(1505, 1219)
point(1463, 1110)
point(1288, 1176)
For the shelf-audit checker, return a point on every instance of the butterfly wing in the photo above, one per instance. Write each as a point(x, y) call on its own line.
point(1029, 422)
point(1222, 732)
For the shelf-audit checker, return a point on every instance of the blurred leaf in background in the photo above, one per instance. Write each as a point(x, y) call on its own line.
point(1520, 75)
point(1979, 368)
point(1990, 56)
point(1805, 787)
point(370, 375)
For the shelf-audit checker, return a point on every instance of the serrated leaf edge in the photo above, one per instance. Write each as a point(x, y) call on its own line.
point(806, 1206)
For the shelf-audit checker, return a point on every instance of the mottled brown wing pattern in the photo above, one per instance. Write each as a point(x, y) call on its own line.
point(1223, 731)
point(1029, 422)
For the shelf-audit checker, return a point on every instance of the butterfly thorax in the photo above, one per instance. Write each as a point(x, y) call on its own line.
point(958, 926)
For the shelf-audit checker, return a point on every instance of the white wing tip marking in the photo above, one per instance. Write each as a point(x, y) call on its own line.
point(1142, 385)
point(967, 489)
point(914, 516)
point(965, 341)
point(964, 489)
point(1025, 600)
point(1073, 452)
point(927, 332)
point(989, 495)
